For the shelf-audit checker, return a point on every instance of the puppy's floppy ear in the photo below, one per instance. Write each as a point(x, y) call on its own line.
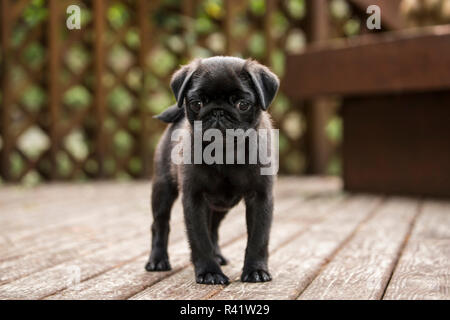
point(266, 82)
point(180, 81)
point(171, 115)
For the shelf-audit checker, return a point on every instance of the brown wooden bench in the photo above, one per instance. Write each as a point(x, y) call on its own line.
point(396, 107)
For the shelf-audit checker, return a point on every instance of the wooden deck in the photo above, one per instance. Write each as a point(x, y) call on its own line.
point(91, 241)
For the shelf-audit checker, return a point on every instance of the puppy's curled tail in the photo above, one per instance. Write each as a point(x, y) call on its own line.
point(171, 115)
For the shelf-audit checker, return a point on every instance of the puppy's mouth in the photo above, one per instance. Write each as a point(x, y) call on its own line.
point(219, 119)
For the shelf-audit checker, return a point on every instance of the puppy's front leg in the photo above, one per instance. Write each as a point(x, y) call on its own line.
point(259, 208)
point(207, 270)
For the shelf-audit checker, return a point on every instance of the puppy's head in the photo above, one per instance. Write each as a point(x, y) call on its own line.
point(224, 92)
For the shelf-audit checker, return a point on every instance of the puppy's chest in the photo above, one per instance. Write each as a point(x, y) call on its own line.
point(223, 189)
point(222, 196)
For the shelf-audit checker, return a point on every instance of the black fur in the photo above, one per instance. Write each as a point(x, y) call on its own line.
point(210, 191)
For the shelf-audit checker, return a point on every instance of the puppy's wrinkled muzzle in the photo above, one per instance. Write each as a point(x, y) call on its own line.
point(219, 119)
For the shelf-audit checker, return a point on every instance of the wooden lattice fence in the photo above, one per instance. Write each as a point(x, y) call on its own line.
point(78, 104)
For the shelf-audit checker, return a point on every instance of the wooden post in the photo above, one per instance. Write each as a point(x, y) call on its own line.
point(188, 10)
point(228, 21)
point(100, 105)
point(317, 20)
point(316, 110)
point(270, 6)
point(146, 36)
point(6, 91)
point(53, 82)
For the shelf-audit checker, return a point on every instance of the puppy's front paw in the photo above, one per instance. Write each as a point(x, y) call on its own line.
point(158, 265)
point(257, 275)
point(212, 278)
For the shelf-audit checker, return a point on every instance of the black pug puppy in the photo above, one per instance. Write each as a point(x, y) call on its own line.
point(223, 93)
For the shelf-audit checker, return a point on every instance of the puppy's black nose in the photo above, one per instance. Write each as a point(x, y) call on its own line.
point(218, 112)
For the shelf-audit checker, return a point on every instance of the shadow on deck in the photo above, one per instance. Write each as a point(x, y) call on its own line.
point(91, 241)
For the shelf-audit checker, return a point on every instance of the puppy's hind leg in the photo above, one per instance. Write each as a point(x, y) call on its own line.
point(216, 218)
point(164, 194)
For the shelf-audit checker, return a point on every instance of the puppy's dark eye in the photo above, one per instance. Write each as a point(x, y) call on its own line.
point(196, 105)
point(243, 105)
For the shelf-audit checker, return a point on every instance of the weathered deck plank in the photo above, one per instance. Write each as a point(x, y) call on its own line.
point(59, 277)
point(42, 215)
point(53, 263)
point(85, 229)
point(324, 245)
point(297, 263)
point(364, 265)
point(423, 271)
